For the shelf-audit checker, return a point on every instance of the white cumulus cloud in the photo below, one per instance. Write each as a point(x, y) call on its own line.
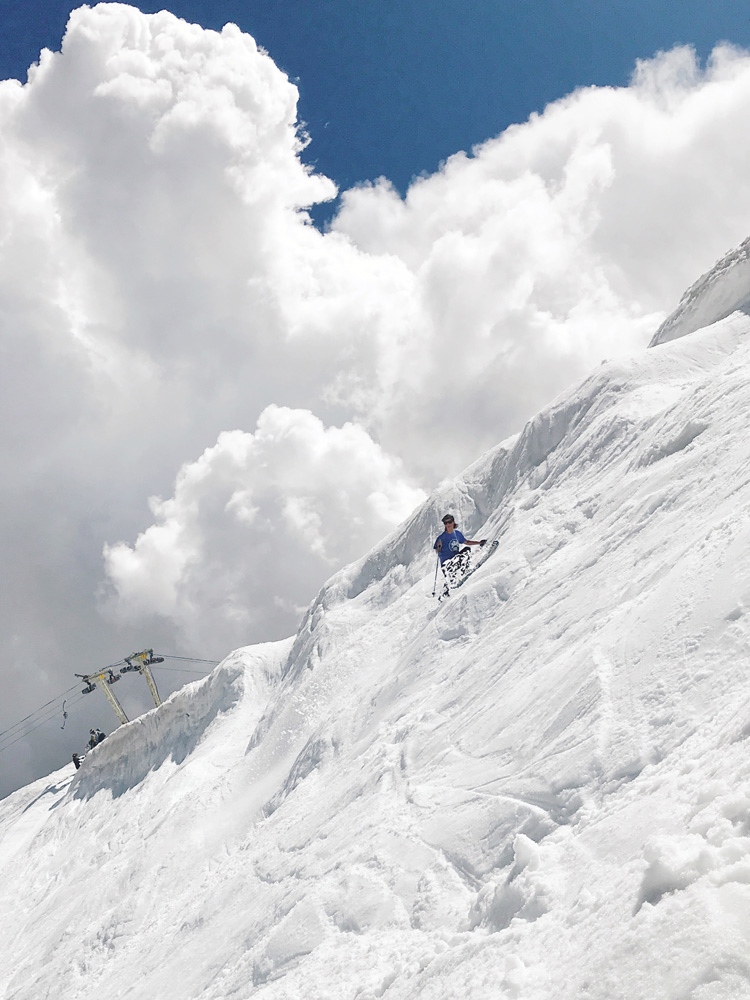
point(560, 242)
point(254, 520)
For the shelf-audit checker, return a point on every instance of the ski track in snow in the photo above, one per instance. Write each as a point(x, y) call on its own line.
point(539, 788)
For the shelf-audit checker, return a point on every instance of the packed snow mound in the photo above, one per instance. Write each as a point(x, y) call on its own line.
point(538, 788)
point(714, 296)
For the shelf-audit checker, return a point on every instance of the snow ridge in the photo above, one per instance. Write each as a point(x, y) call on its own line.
point(714, 296)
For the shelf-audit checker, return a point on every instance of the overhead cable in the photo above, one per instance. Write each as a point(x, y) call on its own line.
point(37, 710)
point(51, 717)
point(182, 670)
point(192, 659)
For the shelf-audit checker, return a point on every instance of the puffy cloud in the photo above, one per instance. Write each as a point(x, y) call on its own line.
point(160, 283)
point(556, 243)
point(255, 523)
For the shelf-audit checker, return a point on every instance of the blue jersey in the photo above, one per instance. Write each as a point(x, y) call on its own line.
point(452, 542)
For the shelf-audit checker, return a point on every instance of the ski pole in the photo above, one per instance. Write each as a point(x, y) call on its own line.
point(437, 567)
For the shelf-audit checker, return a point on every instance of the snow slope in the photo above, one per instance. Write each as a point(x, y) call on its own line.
point(540, 788)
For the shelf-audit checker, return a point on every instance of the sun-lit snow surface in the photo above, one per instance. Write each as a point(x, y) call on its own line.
point(715, 295)
point(540, 788)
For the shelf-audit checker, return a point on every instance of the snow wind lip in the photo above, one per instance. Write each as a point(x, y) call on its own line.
point(718, 293)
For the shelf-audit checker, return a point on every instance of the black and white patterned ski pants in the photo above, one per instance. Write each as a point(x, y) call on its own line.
point(455, 568)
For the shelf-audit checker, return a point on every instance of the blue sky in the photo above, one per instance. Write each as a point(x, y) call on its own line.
point(393, 88)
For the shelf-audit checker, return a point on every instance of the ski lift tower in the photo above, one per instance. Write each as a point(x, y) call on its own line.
point(105, 679)
point(142, 662)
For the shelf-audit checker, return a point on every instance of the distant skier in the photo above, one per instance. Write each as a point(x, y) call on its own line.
point(454, 560)
point(100, 736)
point(76, 760)
point(92, 739)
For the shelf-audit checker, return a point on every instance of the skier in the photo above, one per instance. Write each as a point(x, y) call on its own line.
point(100, 736)
point(92, 739)
point(76, 760)
point(454, 561)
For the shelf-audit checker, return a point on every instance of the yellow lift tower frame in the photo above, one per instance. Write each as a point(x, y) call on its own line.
point(139, 662)
point(103, 678)
point(142, 663)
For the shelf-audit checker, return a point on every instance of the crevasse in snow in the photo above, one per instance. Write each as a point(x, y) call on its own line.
point(539, 788)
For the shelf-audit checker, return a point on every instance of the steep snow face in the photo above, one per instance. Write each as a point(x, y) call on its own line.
point(714, 296)
point(539, 788)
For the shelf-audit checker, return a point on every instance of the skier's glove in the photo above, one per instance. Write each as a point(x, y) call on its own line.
point(482, 541)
